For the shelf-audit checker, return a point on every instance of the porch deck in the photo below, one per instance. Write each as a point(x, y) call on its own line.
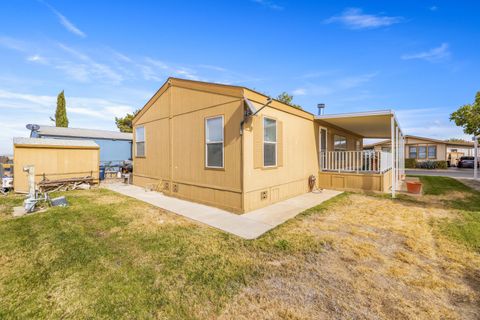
point(356, 170)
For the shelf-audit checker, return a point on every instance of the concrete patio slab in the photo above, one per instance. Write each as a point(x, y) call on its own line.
point(248, 226)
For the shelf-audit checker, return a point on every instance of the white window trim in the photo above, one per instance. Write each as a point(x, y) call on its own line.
point(207, 143)
point(144, 142)
point(270, 142)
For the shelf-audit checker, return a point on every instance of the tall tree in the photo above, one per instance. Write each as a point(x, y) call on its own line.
point(61, 119)
point(468, 117)
point(125, 123)
point(287, 99)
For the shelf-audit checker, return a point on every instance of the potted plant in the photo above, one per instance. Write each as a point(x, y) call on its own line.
point(414, 187)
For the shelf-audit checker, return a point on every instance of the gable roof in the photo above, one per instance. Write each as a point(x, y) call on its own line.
point(83, 133)
point(219, 88)
point(20, 141)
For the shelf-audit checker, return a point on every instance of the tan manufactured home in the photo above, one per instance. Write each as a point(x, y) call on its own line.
point(237, 149)
point(424, 149)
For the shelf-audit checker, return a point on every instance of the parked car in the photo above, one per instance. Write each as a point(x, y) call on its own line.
point(467, 162)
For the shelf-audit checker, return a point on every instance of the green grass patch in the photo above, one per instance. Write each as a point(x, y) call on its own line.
point(467, 228)
point(85, 261)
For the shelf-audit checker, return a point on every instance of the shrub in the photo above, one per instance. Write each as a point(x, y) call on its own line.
point(432, 165)
point(442, 164)
point(426, 165)
point(410, 163)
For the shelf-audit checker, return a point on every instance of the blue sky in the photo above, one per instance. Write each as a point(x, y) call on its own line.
point(420, 58)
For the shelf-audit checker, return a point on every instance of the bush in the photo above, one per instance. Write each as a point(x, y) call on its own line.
point(442, 164)
point(426, 164)
point(432, 165)
point(410, 163)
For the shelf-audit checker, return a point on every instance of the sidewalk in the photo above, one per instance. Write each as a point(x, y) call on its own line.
point(248, 226)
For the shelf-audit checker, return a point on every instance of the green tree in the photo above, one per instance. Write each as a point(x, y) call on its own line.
point(287, 99)
point(468, 117)
point(125, 123)
point(456, 140)
point(61, 119)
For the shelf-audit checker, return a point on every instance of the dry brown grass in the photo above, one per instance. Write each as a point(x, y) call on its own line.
point(383, 261)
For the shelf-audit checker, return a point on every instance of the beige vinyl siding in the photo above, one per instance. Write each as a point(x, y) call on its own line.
point(175, 144)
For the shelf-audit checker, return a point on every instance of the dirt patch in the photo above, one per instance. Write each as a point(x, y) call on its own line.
point(385, 261)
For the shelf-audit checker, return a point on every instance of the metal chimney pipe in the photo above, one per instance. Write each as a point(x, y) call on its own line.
point(321, 109)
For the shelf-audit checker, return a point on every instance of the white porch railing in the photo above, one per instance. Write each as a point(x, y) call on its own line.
point(356, 161)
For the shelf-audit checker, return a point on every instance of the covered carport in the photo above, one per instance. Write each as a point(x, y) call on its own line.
point(375, 125)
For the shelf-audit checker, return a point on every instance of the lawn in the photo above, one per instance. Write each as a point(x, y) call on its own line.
point(356, 256)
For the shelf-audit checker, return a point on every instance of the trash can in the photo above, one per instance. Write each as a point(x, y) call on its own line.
point(102, 173)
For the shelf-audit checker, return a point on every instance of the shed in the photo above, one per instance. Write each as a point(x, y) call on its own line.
point(54, 159)
point(115, 146)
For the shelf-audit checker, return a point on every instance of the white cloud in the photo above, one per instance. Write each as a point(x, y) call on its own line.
point(13, 44)
point(300, 92)
point(88, 69)
point(37, 59)
point(354, 18)
point(433, 8)
point(433, 55)
point(269, 4)
point(64, 21)
point(429, 122)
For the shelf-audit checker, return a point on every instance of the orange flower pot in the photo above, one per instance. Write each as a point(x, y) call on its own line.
point(414, 187)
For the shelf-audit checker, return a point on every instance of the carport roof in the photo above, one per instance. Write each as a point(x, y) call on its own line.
point(371, 124)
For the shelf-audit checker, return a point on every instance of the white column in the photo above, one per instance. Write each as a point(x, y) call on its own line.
point(392, 143)
point(397, 158)
point(475, 153)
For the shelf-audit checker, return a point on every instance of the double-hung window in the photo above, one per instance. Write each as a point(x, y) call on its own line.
point(412, 154)
point(214, 142)
point(140, 141)
point(339, 143)
point(422, 152)
point(269, 142)
point(432, 152)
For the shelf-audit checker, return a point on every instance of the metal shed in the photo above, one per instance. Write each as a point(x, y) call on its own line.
point(54, 159)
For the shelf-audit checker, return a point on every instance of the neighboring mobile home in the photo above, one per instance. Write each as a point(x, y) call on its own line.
point(424, 149)
point(115, 146)
point(237, 149)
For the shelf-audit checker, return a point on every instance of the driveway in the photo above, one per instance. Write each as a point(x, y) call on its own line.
point(459, 173)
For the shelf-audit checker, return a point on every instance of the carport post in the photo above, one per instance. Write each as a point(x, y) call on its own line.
point(393, 153)
point(475, 153)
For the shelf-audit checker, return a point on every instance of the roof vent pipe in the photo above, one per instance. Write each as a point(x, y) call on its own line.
point(321, 109)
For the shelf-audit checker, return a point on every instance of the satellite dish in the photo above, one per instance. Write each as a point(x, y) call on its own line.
point(33, 127)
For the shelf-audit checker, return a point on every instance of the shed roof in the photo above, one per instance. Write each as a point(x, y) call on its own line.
point(20, 141)
point(370, 124)
point(83, 133)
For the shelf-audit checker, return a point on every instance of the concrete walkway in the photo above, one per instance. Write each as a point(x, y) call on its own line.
point(248, 226)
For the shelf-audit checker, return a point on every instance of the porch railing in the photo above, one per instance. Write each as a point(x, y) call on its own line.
point(367, 161)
